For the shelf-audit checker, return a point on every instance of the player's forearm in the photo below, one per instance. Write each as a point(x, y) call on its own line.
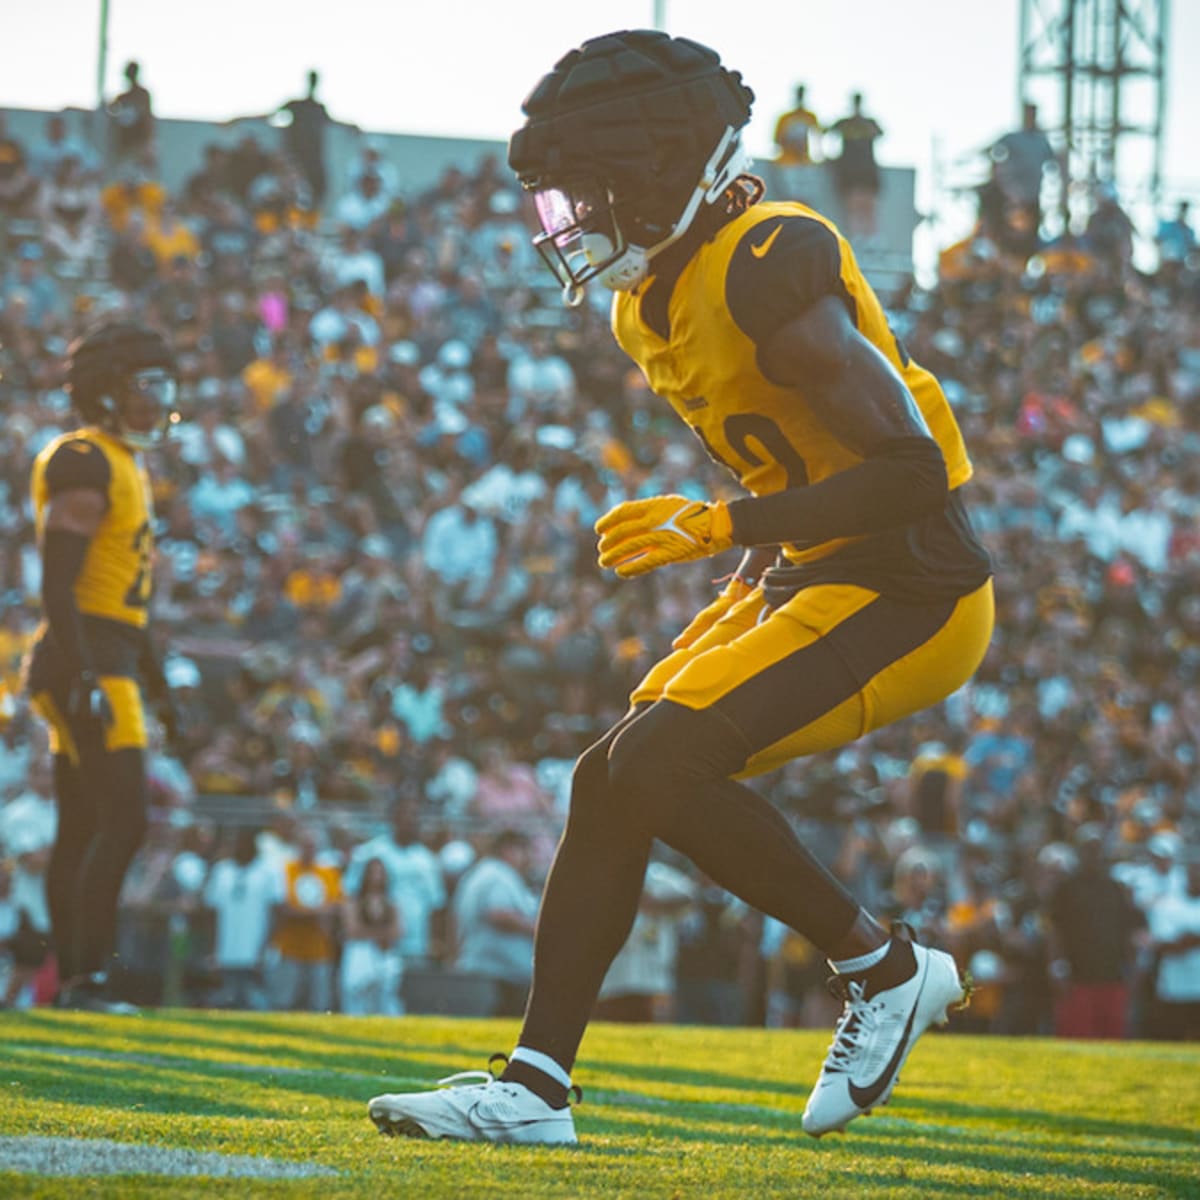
point(904, 480)
point(63, 554)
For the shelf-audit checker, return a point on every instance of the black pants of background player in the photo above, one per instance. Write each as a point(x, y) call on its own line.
point(101, 805)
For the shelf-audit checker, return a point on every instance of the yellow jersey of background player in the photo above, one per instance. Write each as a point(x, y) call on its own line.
point(112, 589)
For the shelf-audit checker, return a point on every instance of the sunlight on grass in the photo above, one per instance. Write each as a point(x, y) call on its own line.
point(668, 1112)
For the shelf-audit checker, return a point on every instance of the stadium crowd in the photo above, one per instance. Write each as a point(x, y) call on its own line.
point(377, 591)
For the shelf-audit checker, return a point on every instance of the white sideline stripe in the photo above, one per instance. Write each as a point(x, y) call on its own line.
point(99, 1156)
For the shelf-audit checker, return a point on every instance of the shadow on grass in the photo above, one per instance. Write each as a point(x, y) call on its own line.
point(250, 1044)
point(1112, 1163)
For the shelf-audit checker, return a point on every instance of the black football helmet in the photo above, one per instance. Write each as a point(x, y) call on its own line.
point(122, 378)
point(625, 140)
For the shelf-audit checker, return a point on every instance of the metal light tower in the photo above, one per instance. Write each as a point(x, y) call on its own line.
point(1097, 70)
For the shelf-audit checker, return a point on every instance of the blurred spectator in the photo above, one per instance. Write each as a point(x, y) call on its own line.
point(1160, 874)
point(1018, 166)
point(169, 239)
point(640, 984)
point(364, 203)
point(131, 120)
point(494, 915)
point(27, 283)
point(793, 132)
point(715, 938)
point(305, 952)
point(938, 778)
point(25, 921)
point(30, 817)
point(304, 123)
point(1175, 237)
point(1175, 929)
point(1109, 231)
point(855, 172)
point(1094, 922)
point(414, 876)
point(242, 889)
point(371, 966)
point(507, 793)
point(460, 545)
point(70, 210)
point(56, 146)
point(18, 184)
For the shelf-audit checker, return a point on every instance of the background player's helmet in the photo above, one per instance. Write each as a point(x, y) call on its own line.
point(625, 140)
point(122, 378)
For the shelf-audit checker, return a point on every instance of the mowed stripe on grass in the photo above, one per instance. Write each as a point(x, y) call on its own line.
point(181, 1103)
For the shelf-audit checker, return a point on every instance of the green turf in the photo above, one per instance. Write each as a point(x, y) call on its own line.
point(668, 1111)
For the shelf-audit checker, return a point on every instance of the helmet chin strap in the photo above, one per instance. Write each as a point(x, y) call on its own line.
point(726, 163)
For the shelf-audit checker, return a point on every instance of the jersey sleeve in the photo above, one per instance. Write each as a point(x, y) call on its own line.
point(781, 267)
point(77, 464)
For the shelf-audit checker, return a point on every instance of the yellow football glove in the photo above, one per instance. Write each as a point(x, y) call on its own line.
point(736, 589)
point(640, 535)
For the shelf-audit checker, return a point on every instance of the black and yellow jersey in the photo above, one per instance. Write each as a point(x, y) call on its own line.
point(114, 583)
point(699, 350)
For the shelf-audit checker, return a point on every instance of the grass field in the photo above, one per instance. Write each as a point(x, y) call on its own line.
point(181, 1103)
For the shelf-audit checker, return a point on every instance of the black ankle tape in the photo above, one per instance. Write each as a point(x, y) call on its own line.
point(898, 966)
point(538, 1082)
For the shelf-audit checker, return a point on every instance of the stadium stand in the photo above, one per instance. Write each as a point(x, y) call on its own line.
point(376, 566)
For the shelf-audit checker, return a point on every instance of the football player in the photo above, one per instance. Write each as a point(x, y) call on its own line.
point(862, 595)
point(92, 657)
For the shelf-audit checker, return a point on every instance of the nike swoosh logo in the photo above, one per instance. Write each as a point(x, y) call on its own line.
point(865, 1097)
point(760, 251)
point(486, 1125)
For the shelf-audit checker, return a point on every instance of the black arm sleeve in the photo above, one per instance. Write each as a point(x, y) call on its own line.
point(905, 479)
point(63, 553)
point(77, 464)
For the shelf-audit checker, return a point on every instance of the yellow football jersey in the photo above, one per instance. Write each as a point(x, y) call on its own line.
point(115, 580)
point(758, 273)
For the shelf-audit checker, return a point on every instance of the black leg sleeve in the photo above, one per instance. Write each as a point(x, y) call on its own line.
point(118, 783)
point(672, 767)
point(587, 911)
point(76, 827)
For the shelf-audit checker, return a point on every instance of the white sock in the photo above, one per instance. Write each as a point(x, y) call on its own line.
point(541, 1062)
point(864, 962)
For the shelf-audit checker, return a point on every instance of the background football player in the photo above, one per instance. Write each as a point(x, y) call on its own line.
point(863, 595)
point(92, 656)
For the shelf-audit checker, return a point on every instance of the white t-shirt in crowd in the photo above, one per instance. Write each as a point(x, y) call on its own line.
point(243, 897)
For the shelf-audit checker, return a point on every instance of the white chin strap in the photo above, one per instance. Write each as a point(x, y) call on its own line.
point(632, 265)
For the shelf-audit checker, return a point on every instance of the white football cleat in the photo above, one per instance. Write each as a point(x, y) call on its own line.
point(487, 1111)
point(873, 1038)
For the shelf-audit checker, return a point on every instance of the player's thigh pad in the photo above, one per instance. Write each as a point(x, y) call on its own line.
point(128, 728)
point(834, 662)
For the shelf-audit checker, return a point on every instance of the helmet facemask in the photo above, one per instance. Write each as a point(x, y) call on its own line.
point(589, 231)
point(142, 413)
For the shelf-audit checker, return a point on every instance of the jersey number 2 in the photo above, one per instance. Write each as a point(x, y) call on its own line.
point(138, 595)
point(741, 429)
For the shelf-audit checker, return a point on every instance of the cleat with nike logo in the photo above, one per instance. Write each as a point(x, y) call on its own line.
point(874, 1035)
point(486, 1111)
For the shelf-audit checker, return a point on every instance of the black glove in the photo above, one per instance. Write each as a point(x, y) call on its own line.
point(87, 701)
